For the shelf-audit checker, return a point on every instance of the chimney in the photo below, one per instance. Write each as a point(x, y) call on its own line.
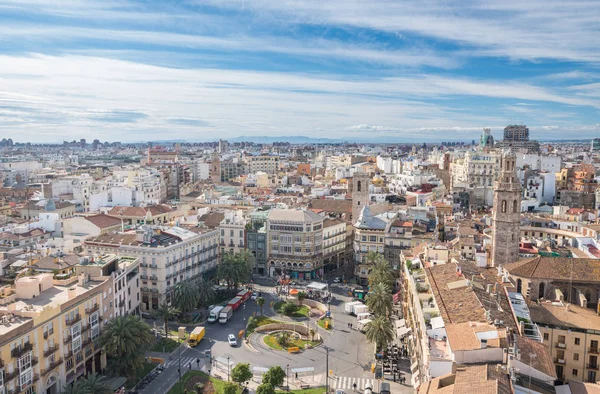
point(484, 343)
point(72, 293)
point(139, 235)
point(82, 279)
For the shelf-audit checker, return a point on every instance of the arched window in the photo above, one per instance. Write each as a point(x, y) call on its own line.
point(542, 290)
point(358, 186)
point(519, 285)
point(503, 206)
point(515, 206)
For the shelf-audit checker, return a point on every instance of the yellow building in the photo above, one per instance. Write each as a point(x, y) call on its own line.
point(47, 329)
point(572, 334)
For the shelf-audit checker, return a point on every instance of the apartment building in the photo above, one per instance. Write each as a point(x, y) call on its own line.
point(167, 255)
point(335, 249)
point(295, 243)
point(233, 232)
point(268, 164)
point(571, 335)
point(257, 240)
point(125, 272)
point(48, 328)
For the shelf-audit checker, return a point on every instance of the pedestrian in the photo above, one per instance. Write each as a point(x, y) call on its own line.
point(190, 365)
point(354, 386)
point(198, 362)
point(296, 375)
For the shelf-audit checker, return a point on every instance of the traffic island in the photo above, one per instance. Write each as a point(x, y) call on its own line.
point(289, 341)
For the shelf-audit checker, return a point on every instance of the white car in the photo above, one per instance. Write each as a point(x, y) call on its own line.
point(232, 340)
point(340, 391)
point(254, 296)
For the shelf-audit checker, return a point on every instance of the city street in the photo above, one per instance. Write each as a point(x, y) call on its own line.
point(350, 355)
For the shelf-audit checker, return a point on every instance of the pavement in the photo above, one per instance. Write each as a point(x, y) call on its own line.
point(344, 352)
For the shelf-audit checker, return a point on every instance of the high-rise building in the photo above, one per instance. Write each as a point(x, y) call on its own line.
point(596, 144)
point(516, 133)
point(506, 213)
point(487, 139)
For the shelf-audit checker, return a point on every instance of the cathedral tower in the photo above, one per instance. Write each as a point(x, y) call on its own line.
point(506, 213)
point(360, 193)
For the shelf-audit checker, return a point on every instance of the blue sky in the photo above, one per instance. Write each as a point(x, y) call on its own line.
point(201, 70)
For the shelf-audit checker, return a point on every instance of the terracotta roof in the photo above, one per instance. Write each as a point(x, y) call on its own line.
point(542, 361)
point(212, 219)
point(328, 222)
point(556, 314)
point(558, 268)
point(103, 221)
point(480, 379)
point(48, 262)
point(139, 211)
point(332, 206)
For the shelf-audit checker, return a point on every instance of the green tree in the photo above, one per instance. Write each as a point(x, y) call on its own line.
point(283, 339)
point(261, 302)
point(166, 312)
point(186, 296)
point(274, 376)
point(265, 388)
point(96, 384)
point(380, 300)
point(289, 308)
point(381, 272)
point(373, 257)
point(206, 291)
point(125, 340)
point(301, 297)
point(380, 331)
point(227, 270)
point(231, 388)
point(244, 261)
point(241, 373)
point(76, 387)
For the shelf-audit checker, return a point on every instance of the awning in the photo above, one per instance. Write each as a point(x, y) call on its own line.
point(317, 286)
point(400, 323)
point(401, 332)
point(294, 291)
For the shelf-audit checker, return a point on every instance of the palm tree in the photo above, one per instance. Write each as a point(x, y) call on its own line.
point(380, 331)
point(95, 384)
point(186, 296)
point(227, 270)
point(166, 312)
point(379, 300)
point(125, 340)
point(373, 257)
point(244, 261)
point(236, 268)
point(76, 387)
point(381, 273)
point(261, 302)
point(301, 297)
point(206, 291)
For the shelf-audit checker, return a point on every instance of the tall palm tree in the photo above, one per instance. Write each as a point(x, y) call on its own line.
point(379, 300)
point(244, 262)
point(206, 291)
point(125, 340)
point(380, 331)
point(261, 302)
point(382, 273)
point(95, 384)
point(186, 296)
point(227, 270)
point(166, 312)
point(76, 387)
point(373, 257)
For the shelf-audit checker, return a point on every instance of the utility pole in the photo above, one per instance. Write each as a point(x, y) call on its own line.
point(327, 370)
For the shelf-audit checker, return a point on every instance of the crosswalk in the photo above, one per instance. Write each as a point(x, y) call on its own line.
point(185, 361)
point(346, 382)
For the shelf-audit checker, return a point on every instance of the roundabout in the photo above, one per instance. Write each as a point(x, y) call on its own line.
point(289, 341)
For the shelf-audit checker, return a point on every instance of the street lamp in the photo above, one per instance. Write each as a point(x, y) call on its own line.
point(287, 376)
point(228, 369)
point(327, 370)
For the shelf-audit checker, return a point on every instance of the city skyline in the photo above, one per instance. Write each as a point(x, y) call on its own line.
point(197, 71)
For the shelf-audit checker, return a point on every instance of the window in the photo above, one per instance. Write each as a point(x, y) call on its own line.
point(576, 356)
point(69, 364)
point(503, 206)
point(577, 341)
point(26, 378)
point(574, 372)
point(546, 336)
point(364, 238)
point(373, 238)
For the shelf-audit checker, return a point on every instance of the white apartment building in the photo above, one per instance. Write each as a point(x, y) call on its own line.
point(233, 232)
point(539, 162)
point(268, 164)
point(168, 255)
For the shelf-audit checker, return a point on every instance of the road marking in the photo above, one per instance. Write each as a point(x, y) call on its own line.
point(346, 382)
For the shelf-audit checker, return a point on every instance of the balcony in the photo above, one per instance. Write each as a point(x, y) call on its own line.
point(593, 350)
point(92, 309)
point(1, 363)
point(10, 376)
point(592, 366)
point(154, 278)
point(19, 351)
point(559, 360)
point(67, 339)
point(561, 345)
point(50, 350)
point(85, 328)
point(53, 365)
point(86, 342)
point(74, 320)
point(34, 361)
point(48, 333)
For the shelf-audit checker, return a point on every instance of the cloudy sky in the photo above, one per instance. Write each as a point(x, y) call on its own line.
point(420, 70)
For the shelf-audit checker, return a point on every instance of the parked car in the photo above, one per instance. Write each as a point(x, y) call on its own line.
point(254, 296)
point(232, 340)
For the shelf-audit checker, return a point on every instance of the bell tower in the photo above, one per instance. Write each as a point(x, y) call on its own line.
point(360, 193)
point(506, 213)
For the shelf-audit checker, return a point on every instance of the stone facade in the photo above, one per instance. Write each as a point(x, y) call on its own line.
point(360, 193)
point(506, 213)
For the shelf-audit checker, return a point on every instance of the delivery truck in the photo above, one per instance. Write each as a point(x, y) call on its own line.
point(358, 309)
point(244, 295)
point(196, 336)
point(225, 314)
point(214, 314)
point(349, 306)
point(235, 303)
